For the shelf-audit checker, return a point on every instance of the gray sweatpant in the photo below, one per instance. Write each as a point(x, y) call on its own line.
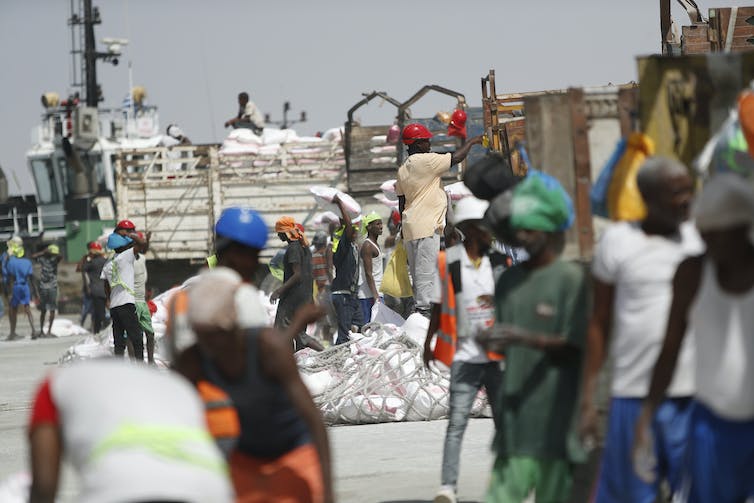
point(422, 265)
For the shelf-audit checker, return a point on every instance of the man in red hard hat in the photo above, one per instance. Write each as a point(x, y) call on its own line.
point(423, 205)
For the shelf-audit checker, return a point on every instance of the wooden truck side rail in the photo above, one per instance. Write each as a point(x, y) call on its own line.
point(179, 193)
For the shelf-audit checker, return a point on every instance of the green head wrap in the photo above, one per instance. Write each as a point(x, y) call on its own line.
point(540, 204)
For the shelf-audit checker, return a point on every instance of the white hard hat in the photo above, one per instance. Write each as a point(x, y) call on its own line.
point(469, 208)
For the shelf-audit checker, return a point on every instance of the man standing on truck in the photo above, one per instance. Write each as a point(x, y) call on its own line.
point(48, 260)
point(423, 205)
point(632, 271)
point(248, 116)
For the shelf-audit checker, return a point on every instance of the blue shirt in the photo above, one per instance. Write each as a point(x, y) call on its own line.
point(4, 264)
point(19, 269)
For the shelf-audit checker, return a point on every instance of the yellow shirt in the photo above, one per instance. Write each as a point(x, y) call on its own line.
point(419, 180)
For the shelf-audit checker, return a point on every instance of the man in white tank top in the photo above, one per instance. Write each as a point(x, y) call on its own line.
point(370, 270)
point(714, 294)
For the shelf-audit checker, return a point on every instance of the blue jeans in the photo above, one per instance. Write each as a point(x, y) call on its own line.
point(466, 379)
point(87, 308)
point(366, 309)
point(346, 306)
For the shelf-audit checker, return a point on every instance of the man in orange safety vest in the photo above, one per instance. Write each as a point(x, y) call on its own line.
point(465, 310)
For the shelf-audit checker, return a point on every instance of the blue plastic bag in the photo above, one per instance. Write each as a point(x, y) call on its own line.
point(598, 194)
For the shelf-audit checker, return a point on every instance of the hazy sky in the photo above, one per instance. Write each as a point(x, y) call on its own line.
point(195, 56)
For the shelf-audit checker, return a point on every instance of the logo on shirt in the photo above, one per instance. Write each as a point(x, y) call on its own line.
point(545, 310)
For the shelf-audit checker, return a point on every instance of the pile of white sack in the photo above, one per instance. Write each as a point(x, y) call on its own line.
point(377, 377)
point(380, 377)
point(62, 327)
point(244, 141)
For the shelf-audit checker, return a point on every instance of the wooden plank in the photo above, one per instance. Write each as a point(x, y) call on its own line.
point(549, 138)
point(583, 173)
point(628, 106)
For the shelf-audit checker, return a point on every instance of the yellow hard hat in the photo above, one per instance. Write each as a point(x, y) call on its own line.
point(54, 249)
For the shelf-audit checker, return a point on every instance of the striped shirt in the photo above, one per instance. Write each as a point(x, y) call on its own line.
point(320, 269)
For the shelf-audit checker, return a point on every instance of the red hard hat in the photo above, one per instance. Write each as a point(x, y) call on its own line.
point(126, 224)
point(95, 246)
point(414, 132)
point(458, 118)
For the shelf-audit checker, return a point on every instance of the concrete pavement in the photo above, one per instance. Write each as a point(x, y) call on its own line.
point(382, 463)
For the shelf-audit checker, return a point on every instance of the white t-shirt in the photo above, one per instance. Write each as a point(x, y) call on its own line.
point(252, 114)
point(474, 315)
point(140, 278)
point(110, 438)
point(725, 348)
point(641, 268)
point(119, 272)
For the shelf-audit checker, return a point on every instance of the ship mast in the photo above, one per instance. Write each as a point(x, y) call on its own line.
point(84, 53)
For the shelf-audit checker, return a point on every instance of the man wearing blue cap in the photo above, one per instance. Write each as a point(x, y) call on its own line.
point(118, 274)
point(541, 317)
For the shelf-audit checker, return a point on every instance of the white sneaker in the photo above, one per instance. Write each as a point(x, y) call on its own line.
point(446, 494)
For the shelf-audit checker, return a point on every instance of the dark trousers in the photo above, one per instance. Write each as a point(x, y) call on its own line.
point(125, 322)
point(346, 306)
point(98, 313)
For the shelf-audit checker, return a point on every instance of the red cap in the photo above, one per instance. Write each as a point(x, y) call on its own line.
point(95, 246)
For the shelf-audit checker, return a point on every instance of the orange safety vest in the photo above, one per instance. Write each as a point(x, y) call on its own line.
point(447, 333)
point(222, 418)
